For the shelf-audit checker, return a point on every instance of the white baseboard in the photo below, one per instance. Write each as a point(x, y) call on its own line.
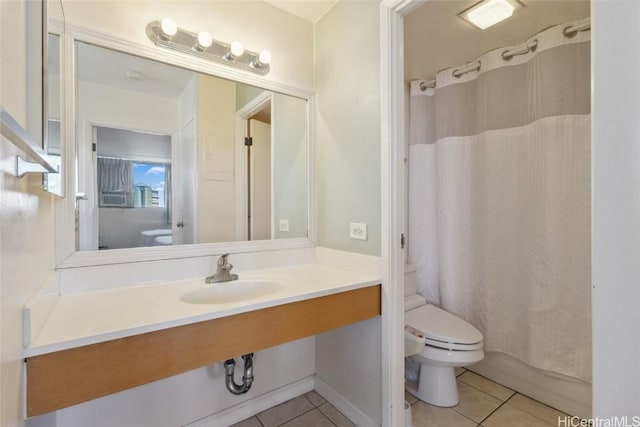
point(354, 414)
point(251, 407)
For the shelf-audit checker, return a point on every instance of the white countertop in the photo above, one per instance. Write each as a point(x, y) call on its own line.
point(90, 318)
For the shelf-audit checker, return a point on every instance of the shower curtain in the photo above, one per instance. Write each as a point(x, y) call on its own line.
point(499, 197)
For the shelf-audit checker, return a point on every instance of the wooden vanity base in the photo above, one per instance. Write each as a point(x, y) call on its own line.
point(68, 377)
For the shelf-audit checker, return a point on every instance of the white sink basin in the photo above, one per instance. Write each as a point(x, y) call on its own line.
point(233, 291)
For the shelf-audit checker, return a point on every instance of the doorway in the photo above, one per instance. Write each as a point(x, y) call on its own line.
point(254, 204)
point(132, 189)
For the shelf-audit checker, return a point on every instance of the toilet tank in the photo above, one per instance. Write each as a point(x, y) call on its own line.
point(410, 280)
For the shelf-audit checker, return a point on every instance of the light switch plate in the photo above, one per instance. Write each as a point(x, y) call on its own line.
point(284, 225)
point(358, 231)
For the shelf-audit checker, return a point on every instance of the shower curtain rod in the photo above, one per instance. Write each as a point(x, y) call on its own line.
point(569, 31)
point(529, 46)
point(424, 85)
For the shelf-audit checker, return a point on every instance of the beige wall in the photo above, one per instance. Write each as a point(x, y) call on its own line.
point(257, 24)
point(216, 142)
point(348, 125)
point(246, 93)
point(26, 215)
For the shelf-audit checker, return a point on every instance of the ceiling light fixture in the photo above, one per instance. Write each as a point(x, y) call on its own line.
point(133, 75)
point(486, 13)
point(167, 34)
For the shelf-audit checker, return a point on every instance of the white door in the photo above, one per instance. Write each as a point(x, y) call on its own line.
point(184, 186)
point(260, 181)
point(87, 204)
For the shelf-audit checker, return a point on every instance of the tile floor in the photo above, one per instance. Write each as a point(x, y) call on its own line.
point(483, 403)
point(308, 410)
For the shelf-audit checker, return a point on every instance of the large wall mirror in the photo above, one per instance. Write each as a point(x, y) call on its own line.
point(168, 156)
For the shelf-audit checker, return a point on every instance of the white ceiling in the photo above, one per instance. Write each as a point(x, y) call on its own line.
point(436, 38)
point(311, 10)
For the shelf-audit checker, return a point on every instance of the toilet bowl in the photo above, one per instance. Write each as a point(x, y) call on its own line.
point(439, 342)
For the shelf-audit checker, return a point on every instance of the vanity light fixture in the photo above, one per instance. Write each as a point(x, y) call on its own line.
point(235, 50)
point(168, 28)
point(263, 59)
point(167, 34)
point(204, 41)
point(486, 13)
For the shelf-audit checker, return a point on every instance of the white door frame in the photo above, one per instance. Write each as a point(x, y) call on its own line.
point(178, 175)
point(392, 121)
point(242, 117)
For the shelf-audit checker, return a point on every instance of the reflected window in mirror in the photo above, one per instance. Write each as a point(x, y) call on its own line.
point(233, 164)
point(133, 181)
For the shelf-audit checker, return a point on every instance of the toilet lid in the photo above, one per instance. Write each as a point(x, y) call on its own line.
point(441, 327)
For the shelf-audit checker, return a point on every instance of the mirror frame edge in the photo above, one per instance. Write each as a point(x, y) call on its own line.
point(66, 254)
point(56, 27)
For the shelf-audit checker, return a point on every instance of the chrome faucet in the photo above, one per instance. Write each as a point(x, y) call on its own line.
point(223, 274)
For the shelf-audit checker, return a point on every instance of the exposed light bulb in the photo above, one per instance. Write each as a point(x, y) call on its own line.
point(237, 49)
point(169, 27)
point(165, 33)
point(265, 57)
point(204, 40)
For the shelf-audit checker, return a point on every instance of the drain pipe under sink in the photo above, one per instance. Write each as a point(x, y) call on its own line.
point(247, 378)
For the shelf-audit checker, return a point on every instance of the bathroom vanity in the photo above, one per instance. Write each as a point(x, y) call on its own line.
point(99, 343)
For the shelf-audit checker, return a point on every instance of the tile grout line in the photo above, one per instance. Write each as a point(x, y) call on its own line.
point(322, 404)
point(530, 413)
point(325, 415)
point(304, 413)
point(513, 392)
point(465, 416)
point(502, 402)
point(460, 413)
point(493, 412)
point(297, 416)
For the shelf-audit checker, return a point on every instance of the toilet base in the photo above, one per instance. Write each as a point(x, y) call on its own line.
point(437, 386)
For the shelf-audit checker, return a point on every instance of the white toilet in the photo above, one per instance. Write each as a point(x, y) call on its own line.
point(439, 342)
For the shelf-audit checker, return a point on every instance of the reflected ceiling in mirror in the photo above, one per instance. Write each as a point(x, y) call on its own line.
point(169, 156)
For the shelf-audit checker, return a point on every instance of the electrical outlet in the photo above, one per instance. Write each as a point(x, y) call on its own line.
point(358, 231)
point(284, 225)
